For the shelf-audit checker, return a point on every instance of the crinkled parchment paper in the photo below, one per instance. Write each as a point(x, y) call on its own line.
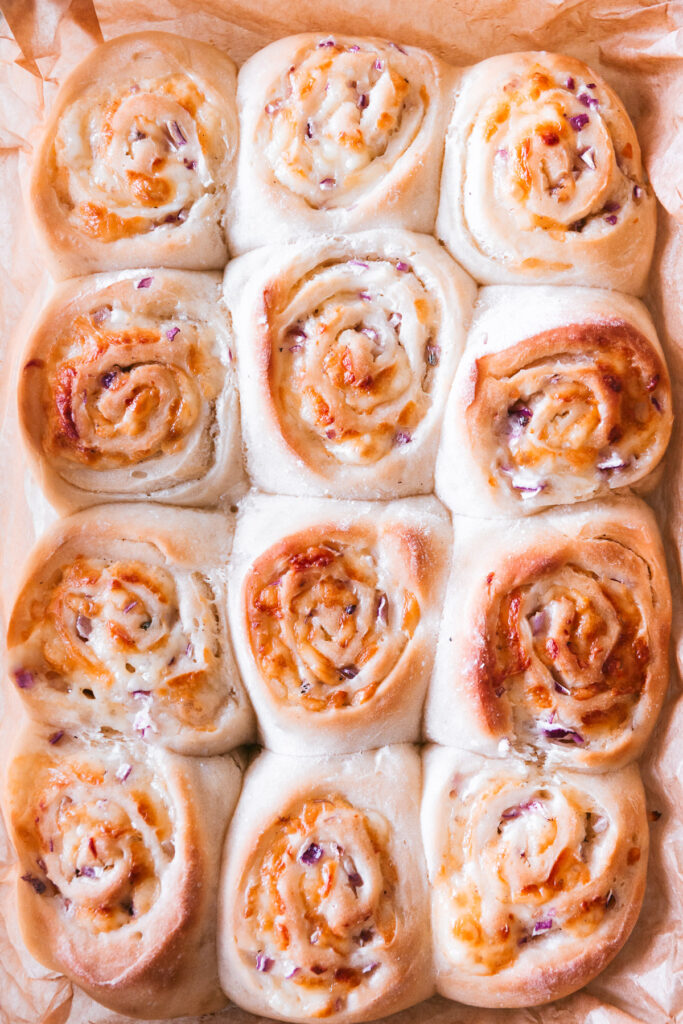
point(639, 49)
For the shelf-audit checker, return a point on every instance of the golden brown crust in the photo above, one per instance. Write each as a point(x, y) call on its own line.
point(560, 397)
point(570, 854)
point(129, 392)
point(119, 851)
point(119, 623)
point(137, 156)
point(333, 623)
point(323, 904)
point(555, 637)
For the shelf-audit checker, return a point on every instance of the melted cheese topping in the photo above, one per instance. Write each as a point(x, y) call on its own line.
point(572, 412)
point(354, 356)
point(326, 624)
point(339, 118)
point(98, 837)
point(552, 152)
point(570, 650)
point(317, 907)
point(138, 157)
point(140, 642)
point(522, 864)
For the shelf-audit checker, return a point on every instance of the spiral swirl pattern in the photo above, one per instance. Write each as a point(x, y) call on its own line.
point(326, 624)
point(339, 118)
point(572, 412)
point(112, 638)
point(526, 863)
point(355, 356)
point(570, 649)
point(101, 837)
point(318, 901)
point(543, 177)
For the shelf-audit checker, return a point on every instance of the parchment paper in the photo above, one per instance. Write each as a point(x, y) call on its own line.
point(639, 49)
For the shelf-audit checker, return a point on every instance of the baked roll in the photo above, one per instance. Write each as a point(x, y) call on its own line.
point(120, 624)
point(555, 637)
point(338, 134)
point(323, 906)
point(128, 391)
point(119, 851)
point(537, 877)
point(137, 158)
point(347, 348)
point(334, 609)
point(562, 395)
point(542, 178)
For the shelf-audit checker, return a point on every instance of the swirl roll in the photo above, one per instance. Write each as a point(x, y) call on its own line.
point(543, 180)
point(128, 391)
point(119, 852)
point(323, 908)
point(555, 637)
point(347, 348)
point(120, 625)
point(537, 877)
point(334, 609)
point(562, 395)
point(137, 158)
point(338, 134)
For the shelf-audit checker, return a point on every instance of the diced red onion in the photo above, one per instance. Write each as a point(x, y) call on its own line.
point(191, 166)
point(550, 138)
point(395, 320)
point(379, 65)
point(291, 971)
point(579, 122)
point(637, 191)
point(129, 607)
point(656, 404)
point(614, 461)
point(295, 348)
point(363, 100)
point(263, 963)
point(101, 314)
point(83, 626)
point(171, 333)
point(591, 85)
point(383, 609)
point(359, 263)
point(499, 692)
point(141, 694)
point(327, 183)
point(570, 84)
point(326, 42)
point(123, 771)
point(558, 733)
point(433, 353)
point(402, 266)
point(365, 296)
point(349, 671)
point(542, 926)
point(588, 157)
point(531, 489)
point(586, 100)
point(559, 688)
point(296, 331)
point(370, 332)
point(612, 206)
point(145, 282)
point(403, 437)
point(355, 880)
point(353, 48)
point(176, 134)
point(189, 650)
point(311, 854)
point(611, 219)
point(88, 871)
point(55, 737)
point(23, 678)
point(108, 379)
point(37, 884)
point(537, 621)
point(41, 864)
point(369, 968)
point(502, 153)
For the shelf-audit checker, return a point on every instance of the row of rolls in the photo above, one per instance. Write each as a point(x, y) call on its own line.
point(346, 888)
point(363, 367)
point(339, 625)
point(157, 153)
